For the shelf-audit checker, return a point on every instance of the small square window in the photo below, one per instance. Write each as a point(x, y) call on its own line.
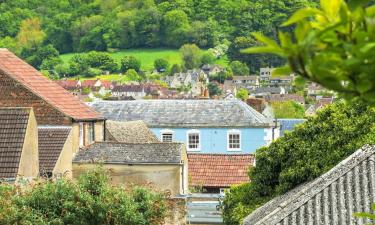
point(167, 137)
point(193, 141)
point(234, 141)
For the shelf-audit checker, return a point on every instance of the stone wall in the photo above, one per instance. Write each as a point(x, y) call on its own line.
point(176, 214)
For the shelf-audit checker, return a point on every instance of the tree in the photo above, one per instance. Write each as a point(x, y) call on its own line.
point(36, 56)
point(131, 74)
point(62, 201)
point(176, 27)
point(312, 149)
point(213, 89)
point(175, 69)
point(289, 109)
point(161, 65)
point(332, 46)
point(239, 68)
point(207, 58)
point(242, 94)
point(102, 61)
point(191, 56)
point(30, 35)
point(130, 62)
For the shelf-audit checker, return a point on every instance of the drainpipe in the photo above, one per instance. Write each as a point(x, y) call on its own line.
point(273, 130)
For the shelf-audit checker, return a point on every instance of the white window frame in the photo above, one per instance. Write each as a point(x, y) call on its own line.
point(233, 132)
point(81, 140)
point(162, 132)
point(199, 139)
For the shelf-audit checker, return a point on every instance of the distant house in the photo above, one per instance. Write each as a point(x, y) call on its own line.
point(259, 104)
point(212, 69)
point(23, 86)
point(318, 105)
point(196, 79)
point(265, 74)
point(250, 80)
point(135, 91)
point(70, 85)
point(18, 144)
point(285, 97)
point(162, 164)
point(283, 81)
point(55, 151)
point(205, 126)
point(265, 91)
point(216, 172)
point(332, 198)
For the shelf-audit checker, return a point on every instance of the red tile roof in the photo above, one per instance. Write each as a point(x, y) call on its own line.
point(219, 170)
point(46, 89)
point(88, 83)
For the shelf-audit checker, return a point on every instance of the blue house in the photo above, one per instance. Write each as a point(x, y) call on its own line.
point(205, 126)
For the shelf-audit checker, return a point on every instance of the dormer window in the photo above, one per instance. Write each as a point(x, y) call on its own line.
point(234, 140)
point(167, 136)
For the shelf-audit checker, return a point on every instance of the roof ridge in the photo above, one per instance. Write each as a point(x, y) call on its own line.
point(305, 193)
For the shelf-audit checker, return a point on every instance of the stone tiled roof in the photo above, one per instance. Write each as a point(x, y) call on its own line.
point(219, 170)
point(13, 126)
point(286, 97)
point(46, 89)
point(134, 132)
point(330, 199)
point(183, 113)
point(123, 153)
point(51, 141)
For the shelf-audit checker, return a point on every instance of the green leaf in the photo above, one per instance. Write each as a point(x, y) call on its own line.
point(367, 47)
point(301, 14)
point(265, 40)
point(285, 40)
point(353, 4)
point(370, 11)
point(331, 7)
point(281, 71)
point(301, 30)
point(299, 81)
point(264, 49)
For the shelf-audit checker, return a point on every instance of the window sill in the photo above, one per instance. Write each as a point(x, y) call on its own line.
point(234, 150)
point(193, 150)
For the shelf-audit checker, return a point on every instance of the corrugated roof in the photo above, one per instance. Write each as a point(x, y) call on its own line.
point(13, 126)
point(134, 132)
point(330, 199)
point(51, 141)
point(46, 89)
point(123, 153)
point(219, 170)
point(183, 113)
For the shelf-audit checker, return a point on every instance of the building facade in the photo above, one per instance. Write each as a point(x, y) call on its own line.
point(205, 126)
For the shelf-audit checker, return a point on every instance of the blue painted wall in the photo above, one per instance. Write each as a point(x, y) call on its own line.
point(214, 140)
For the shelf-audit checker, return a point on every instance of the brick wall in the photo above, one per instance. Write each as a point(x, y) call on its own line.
point(13, 94)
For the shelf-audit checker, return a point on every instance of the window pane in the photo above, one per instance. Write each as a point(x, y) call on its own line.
point(234, 141)
point(193, 141)
point(167, 137)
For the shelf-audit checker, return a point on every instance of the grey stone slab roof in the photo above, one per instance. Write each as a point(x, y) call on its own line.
point(183, 113)
point(123, 153)
point(330, 199)
point(51, 141)
point(133, 132)
point(13, 126)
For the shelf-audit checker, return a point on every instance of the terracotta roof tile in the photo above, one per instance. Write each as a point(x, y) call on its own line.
point(219, 170)
point(48, 90)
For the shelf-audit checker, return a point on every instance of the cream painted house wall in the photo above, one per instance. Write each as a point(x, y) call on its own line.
point(29, 161)
point(163, 177)
point(63, 166)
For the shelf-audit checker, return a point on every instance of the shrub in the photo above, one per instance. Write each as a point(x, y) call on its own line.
point(302, 155)
point(161, 65)
point(130, 62)
point(90, 200)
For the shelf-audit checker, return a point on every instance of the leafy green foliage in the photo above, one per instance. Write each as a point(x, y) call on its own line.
point(242, 94)
point(191, 56)
point(207, 58)
point(213, 89)
point(161, 64)
point(90, 200)
point(131, 74)
point(366, 215)
point(302, 155)
point(289, 109)
point(239, 69)
point(130, 62)
point(333, 46)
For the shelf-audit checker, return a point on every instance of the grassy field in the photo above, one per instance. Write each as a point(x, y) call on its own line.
point(148, 56)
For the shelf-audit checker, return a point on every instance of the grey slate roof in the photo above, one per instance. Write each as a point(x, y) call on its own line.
point(51, 141)
point(183, 113)
point(330, 199)
point(123, 153)
point(133, 132)
point(13, 126)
